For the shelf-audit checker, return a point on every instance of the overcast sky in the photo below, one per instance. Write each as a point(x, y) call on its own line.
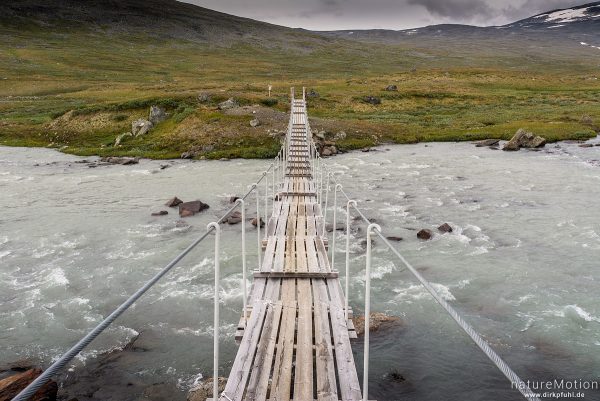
point(388, 14)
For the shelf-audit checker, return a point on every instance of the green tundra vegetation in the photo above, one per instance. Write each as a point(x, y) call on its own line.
point(76, 90)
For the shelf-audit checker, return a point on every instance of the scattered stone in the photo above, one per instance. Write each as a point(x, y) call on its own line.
point(374, 100)
point(378, 321)
point(230, 103)
point(586, 145)
point(234, 218)
point(391, 88)
point(122, 137)
point(164, 166)
point(393, 238)
point(445, 228)
point(181, 224)
point(262, 223)
point(161, 213)
point(140, 127)
point(157, 115)
point(312, 93)
point(125, 161)
point(329, 227)
point(524, 139)
point(254, 122)
point(587, 120)
point(188, 155)
point(487, 142)
point(175, 201)
point(396, 376)
point(205, 389)
point(187, 209)
point(425, 234)
point(204, 97)
point(12, 385)
point(340, 136)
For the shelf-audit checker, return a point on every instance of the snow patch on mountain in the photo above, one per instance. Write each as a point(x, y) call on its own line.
point(570, 15)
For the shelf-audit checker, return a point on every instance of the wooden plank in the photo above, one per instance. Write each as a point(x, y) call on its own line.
point(282, 368)
point(241, 367)
point(303, 378)
point(326, 381)
point(297, 274)
point(258, 384)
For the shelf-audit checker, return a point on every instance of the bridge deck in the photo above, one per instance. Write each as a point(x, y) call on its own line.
point(295, 344)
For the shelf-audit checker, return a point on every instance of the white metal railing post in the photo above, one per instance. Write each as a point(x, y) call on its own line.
point(266, 194)
point(347, 284)
point(320, 182)
point(258, 218)
point(337, 188)
point(274, 189)
point(371, 227)
point(244, 271)
point(326, 202)
point(217, 228)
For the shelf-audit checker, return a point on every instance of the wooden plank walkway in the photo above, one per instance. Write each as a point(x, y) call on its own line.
point(295, 344)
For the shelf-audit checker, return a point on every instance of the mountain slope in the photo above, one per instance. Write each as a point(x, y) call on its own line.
point(76, 73)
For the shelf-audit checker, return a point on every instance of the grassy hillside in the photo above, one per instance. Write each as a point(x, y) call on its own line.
point(74, 76)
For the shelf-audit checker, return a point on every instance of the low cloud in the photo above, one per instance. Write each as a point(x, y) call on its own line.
point(459, 9)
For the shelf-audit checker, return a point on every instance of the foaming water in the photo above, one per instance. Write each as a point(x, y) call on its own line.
point(521, 263)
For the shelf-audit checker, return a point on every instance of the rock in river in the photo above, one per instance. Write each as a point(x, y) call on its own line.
point(262, 223)
point(425, 234)
point(445, 228)
point(12, 385)
point(204, 390)
point(187, 209)
point(161, 213)
point(125, 161)
point(487, 142)
point(378, 321)
point(175, 201)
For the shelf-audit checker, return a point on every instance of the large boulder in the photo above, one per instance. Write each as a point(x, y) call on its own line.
point(255, 122)
point(187, 209)
point(157, 114)
point(524, 139)
point(391, 88)
point(141, 127)
point(12, 385)
point(204, 390)
point(230, 103)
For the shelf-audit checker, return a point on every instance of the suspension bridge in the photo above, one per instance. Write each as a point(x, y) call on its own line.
point(296, 326)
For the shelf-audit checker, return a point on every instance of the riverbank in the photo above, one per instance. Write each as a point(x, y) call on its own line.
point(400, 108)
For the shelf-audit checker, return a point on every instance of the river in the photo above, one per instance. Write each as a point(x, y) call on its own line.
point(522, 264)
